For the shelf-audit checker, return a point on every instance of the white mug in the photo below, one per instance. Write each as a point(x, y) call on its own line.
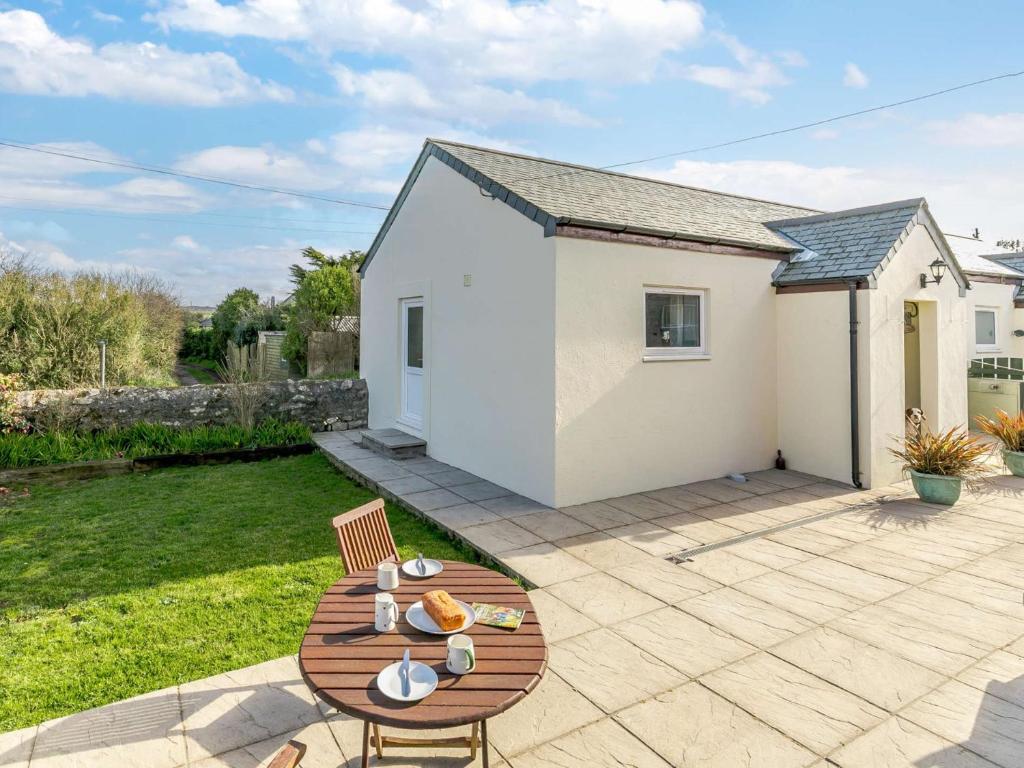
point(387, 576)
point(461, 658)
point(385, 614)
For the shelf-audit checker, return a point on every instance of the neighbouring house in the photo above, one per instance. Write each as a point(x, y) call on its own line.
point(995, 338)
point(576, 334)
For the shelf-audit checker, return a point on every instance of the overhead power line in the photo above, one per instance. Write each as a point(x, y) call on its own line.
point(133, 217)
point(158, 212)
point(781, 131)
point(192, 176)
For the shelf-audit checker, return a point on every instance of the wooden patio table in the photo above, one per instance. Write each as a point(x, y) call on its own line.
point(342, 653)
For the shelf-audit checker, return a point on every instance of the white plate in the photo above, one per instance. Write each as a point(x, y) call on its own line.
point(420, 619)
point(422, 681)
point(433, 567)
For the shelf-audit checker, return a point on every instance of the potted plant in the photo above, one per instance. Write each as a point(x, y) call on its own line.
point(940, 464)
point(1009, 430)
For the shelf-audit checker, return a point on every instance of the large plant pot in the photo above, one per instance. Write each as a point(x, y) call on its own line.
point(1014, 461)
point(936, 489)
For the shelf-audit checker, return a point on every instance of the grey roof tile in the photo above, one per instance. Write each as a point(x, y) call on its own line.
point(575, 194)
point(845, 244)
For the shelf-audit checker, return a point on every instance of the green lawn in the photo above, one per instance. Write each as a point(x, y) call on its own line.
point(119, 586)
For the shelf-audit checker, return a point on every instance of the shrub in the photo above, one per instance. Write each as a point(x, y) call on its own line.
point(199, 344)
point(10, 419)
point(951, 454)
point(51, 323)
point(138, 440)
point(1009, 430)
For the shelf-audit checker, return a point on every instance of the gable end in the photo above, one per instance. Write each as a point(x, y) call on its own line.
point(488, 186)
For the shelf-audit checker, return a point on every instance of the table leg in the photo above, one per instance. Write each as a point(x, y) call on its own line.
point(377, 741)
point(483, 736)
point(474, 741)
point(366, 744)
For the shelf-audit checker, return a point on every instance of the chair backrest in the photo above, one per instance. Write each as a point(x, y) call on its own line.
point(364, 537)
point(289, 755)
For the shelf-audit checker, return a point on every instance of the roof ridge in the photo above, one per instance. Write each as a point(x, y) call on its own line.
point(913, 202)
point(1000, 255)
point(564, 164)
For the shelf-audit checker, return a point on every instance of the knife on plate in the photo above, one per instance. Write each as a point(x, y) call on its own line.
point(403, 675)
point(420, 564)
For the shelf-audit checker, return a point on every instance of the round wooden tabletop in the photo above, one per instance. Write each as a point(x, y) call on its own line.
point(342, 653)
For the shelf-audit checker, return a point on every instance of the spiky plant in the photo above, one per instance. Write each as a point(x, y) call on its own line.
point(1009, 430)
point(951, 454)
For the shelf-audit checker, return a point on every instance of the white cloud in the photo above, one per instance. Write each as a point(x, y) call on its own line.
point(372, 159)
point(186, 243)
point(482, 39)
point(35, 59)
point(264, 165)
point(754, 76)
point(990, 200)
point(206, 277)
point(23, 163)
point(472, 62)
point(854, 77)
point(48, 255)
point(109, 18)
point(133, 196)
point(378, 157)
point(979, 130)
point(394, 91)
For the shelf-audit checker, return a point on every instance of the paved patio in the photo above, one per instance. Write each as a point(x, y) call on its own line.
point(860, 629)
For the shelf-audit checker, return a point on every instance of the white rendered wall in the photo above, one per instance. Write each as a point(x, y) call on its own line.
point(943, 356)
point(814, 381)
point(624, 425)
point(1008, 319)
point(488, 348)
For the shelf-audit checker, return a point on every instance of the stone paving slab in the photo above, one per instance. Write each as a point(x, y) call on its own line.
point(693, 726)
point(888, 634)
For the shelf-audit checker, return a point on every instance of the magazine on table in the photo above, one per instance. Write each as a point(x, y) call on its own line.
point(498, 616)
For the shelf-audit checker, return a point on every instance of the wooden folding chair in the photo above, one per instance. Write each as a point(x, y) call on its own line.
point(289, 755)
point(364, 537)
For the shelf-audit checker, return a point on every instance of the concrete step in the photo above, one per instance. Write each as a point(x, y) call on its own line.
point(394, 443)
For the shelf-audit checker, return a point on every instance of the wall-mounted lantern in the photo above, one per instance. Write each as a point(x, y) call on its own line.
point(938, 270)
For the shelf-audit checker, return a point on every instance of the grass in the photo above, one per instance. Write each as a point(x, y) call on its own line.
point(124, 585)
point(39, 448)
point(205, 371)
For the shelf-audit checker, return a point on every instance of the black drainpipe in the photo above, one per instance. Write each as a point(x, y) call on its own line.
point(854, 391)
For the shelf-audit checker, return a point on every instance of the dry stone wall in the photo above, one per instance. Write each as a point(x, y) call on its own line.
point(341, 404)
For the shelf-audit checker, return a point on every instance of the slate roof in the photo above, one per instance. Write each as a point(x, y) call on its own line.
point(974, 264)
point(978, 257)
point(1013, 260)
point(575, 194)
point(821, 247)
point(846, 244)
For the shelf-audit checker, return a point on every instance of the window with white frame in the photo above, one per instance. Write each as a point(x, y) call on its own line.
point(986, 329)
point(675, 323)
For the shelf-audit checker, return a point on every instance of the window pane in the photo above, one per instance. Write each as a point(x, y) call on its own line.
point(414, 337)
point(985, 328)
point(673, 320)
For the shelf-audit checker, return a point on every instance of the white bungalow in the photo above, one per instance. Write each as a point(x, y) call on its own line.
point(574, 334)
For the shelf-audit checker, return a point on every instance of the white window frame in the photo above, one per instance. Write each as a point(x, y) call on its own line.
point(995, 327)
point(653, 354)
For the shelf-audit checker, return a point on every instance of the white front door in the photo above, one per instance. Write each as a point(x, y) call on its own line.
point(412, 363)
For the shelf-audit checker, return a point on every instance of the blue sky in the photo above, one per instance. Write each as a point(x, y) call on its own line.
point(334, 97)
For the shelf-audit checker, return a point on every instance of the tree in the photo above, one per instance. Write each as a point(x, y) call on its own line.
point(229, 313)
point(326, 291)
